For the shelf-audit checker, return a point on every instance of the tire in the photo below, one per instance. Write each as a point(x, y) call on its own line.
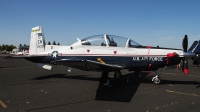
point(118, 75)
point(107, 83)
point(156, 81)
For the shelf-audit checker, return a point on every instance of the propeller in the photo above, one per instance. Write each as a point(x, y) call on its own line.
point(185, 60)
point(185, 43)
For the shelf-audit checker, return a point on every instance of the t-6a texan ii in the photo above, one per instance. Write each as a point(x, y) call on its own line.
point(106, 53)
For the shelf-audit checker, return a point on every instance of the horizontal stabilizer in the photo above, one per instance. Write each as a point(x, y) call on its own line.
point(24, 56)
point(45, 66)
point(74, 63)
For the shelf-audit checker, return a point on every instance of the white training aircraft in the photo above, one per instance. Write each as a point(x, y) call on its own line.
point(106, 53)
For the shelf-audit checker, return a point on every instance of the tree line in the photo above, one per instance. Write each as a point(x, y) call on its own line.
point(54, 43)
point(7, 47)
point(11, 47)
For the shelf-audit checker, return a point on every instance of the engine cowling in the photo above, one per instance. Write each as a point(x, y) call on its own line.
point(171, 58)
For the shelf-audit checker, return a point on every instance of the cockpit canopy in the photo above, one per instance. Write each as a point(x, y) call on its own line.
point(109, 40)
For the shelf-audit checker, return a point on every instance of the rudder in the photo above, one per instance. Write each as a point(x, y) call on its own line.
point(37, 40)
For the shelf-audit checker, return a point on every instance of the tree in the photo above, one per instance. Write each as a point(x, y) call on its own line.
point(11, 47)
point(3, 47)
point(20, 46)
point(49, 43)
point(54, 42)
point(24, 44)
point(6, 47)
point(58, 43)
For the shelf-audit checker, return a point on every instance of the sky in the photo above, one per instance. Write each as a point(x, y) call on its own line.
point(148, 22)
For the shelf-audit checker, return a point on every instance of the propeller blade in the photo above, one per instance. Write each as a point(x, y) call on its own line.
point(185, 43)
point(185, 66)
point(185, 60)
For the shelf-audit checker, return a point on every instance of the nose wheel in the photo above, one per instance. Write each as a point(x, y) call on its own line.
point(156, 80)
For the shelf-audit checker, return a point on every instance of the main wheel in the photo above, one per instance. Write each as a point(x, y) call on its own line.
point(107, 83)
point(104, 80)
point(117, 75)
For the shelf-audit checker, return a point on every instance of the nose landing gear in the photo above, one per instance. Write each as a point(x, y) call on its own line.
point(156, 80)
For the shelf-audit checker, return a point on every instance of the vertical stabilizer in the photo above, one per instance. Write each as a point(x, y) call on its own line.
point(37, 41)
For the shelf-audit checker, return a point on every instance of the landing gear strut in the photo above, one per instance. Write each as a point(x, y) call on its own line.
point(117, 75)
point(104, 80)
point(156, 80)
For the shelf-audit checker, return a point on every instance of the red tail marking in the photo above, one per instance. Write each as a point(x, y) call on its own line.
point(88, 50)
point(186, 71)
point(115, 52)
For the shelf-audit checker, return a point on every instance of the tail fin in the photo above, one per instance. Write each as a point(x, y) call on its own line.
point(37, 41)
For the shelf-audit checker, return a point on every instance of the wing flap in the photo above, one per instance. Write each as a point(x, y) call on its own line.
point(74, 63)
point(88, 65)
point(104, 65)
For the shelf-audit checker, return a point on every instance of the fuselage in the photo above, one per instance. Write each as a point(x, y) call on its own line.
point(113, 51)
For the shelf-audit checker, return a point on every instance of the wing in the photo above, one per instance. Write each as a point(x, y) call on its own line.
point(88, 65)
point(74, 63)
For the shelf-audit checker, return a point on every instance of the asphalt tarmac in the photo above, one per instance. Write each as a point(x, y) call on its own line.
point(26, 88)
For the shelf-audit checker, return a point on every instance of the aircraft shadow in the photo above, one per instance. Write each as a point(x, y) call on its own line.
point(119, 90)
point(79, 77)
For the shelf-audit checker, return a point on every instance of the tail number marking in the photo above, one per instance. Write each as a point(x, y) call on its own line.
point(40, 46)
point(39, 41)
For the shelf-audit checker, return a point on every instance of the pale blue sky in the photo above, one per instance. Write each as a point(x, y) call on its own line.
point(148, 22)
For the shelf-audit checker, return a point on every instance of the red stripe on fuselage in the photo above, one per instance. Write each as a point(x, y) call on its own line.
point(142, 55)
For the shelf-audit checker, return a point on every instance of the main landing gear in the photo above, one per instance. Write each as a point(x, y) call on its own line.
point(156, 79)
point(118, 75)
point(105, 80)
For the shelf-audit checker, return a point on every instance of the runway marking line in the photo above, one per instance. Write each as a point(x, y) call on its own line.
point(2, 104)
point(183, 93)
